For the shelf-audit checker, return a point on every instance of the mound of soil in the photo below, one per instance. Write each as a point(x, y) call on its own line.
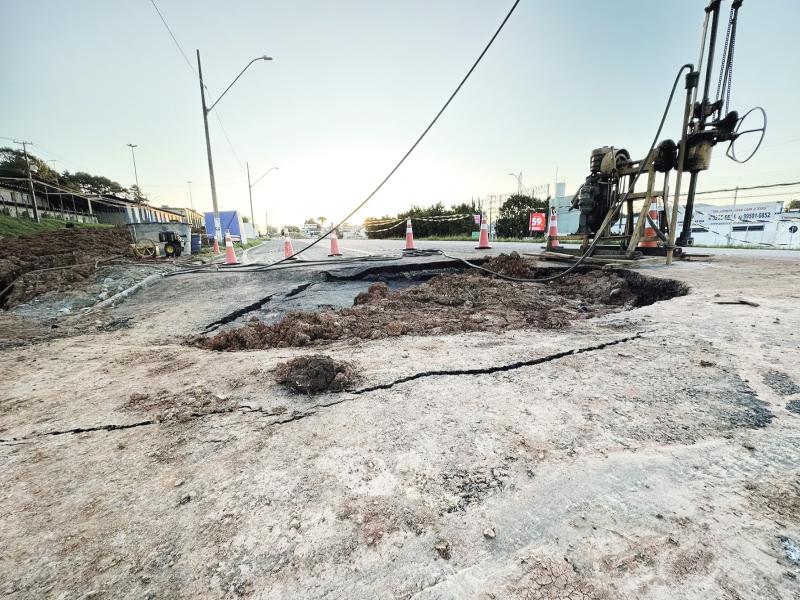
point(315, 374)
point(512, 265)
point(454, 303)
point(55, 260)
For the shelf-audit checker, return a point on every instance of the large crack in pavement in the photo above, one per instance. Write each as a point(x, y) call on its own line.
point(230, 317)
point(498, 368)
point(313, 410)
point(257, 305)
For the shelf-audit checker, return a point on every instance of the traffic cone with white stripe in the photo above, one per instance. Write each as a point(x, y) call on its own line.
point(552, 233)
point(288, 251)
point(409, 236)
point(483, 239)
point(334, 245)
point(649, 232)
point(230, 253)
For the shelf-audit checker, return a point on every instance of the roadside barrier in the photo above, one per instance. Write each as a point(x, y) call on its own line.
point(649, 232)
point(483, 240)
point(288, 251)
point(409, 236)
point(230, 254)
point(334, 245)
point(552, 232)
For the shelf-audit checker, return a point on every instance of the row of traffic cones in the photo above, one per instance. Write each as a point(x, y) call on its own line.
point(649, 232)
point(483, 239)
point(288, 250)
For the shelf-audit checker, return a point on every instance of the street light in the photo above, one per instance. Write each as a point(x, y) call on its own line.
point(250, 191)
point(217, 225)
point(135, 172)
point(191, 200)
point(520, 187)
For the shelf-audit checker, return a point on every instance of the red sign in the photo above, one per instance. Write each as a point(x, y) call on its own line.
point(537, 221)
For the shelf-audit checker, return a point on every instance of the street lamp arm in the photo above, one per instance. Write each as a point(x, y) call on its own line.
point(264, 175)
point(265, 57)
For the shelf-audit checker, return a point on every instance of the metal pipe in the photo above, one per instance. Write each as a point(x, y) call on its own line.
point(714, 6)
point(691, 88)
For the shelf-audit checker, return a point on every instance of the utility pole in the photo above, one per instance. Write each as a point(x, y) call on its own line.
point(250, 187)
point(250, 191)
point(30, 179)
point(206, 110)
point(733, 214)
point(135, 172)
point(191, 200)
point(58, 183)
point(215, 206)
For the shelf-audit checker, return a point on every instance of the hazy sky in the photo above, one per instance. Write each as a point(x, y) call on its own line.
point(354, 82)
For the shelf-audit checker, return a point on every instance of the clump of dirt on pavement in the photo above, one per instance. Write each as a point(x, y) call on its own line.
point(55, 260)
point(512, 265)
point(455, 303)
point(315, 374)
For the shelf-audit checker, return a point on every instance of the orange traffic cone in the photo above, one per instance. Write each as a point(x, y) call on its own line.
point(409, 236)
point(483, 239)
point(648, 229)
point(552, 233)
point(288, 251)
point(334, 245)
point(230, 254)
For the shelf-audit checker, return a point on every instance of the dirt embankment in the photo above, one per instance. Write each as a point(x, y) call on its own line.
point(55, 260)
point(457, 303)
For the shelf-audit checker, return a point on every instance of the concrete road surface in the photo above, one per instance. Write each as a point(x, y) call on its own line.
point(648, 453)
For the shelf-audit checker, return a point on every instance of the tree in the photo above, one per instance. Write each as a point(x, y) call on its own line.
point(513, 217)
point(322, 221)
point(461, 225)
point(245, 219)
point(97, 185)
point(12, 164)
point(793, 205)
point(135, 194)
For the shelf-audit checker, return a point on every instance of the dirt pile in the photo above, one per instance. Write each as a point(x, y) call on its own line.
point(511, 265)
point(315, 374)
point(55, 260)
point(454, 303)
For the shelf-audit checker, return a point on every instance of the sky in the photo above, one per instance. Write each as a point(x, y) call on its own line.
point(354, 82)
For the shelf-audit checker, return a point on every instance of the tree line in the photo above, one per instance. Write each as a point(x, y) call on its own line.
point(512, 219)
point(13, 164)
point(458, 227)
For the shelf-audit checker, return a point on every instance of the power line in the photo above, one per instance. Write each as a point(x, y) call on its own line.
point(194, 72)
point(419, 139)
point(174, 39)
point(750, 187)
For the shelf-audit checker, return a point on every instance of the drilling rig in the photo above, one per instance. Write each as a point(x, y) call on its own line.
point(608, 199)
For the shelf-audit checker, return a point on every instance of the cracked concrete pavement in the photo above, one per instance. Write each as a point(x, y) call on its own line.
point(644, 454)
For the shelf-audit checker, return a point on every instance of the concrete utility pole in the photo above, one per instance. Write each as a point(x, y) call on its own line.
point(206, 110)
point(191, 201)
point(58, 183)
point(250, 187)
point(135, 172)
point(30, 180)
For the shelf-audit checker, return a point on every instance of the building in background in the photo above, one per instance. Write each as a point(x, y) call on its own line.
point(192, 217)
point(16, 201)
